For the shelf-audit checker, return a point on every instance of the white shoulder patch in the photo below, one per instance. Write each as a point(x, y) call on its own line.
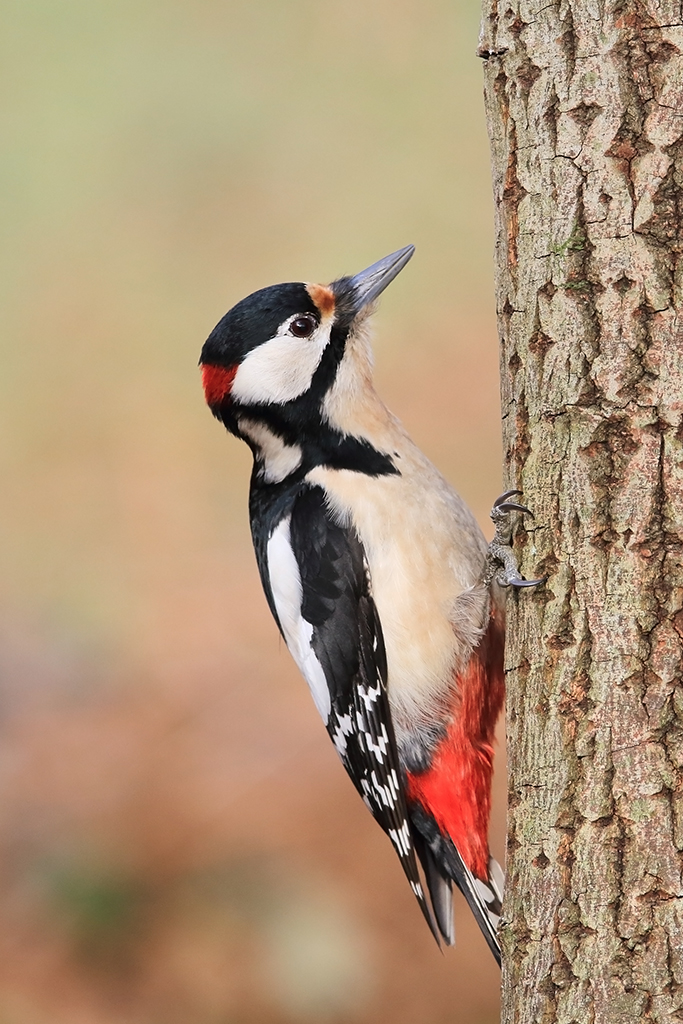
point(285, 583)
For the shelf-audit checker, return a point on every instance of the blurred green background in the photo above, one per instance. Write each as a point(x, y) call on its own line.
point(179, 842)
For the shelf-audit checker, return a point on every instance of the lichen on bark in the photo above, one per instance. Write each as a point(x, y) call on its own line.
point(585, 109)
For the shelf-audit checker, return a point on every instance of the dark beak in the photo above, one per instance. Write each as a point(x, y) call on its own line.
point(371, 282)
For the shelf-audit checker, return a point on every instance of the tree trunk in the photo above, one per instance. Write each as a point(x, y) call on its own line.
point(585, 108)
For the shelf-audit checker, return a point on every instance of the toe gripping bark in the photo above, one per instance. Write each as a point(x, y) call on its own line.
point(502, 562)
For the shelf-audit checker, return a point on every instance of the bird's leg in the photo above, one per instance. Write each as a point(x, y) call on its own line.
point(501, 564)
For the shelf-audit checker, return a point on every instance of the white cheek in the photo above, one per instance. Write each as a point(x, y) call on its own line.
point(279, 370)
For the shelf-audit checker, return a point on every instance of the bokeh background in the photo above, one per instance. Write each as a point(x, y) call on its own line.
point(178, 841)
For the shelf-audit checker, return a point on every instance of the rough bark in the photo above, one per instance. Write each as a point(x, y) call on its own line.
point(585, 107)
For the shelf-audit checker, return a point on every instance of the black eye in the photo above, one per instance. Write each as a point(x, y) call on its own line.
point(303, 326)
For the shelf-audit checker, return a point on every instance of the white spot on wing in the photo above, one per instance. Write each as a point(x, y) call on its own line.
point(285, 583)
point(392, 782)
point(383, 792)
point(369, 696)
point(401, 839)
point(379, 749)
point(343, 729)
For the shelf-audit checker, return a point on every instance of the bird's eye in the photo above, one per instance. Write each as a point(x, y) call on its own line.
point(303, 326)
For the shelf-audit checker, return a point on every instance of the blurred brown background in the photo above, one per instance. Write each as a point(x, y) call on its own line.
point(179, 842)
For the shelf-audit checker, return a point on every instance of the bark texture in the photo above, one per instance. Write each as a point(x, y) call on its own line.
point(585, 107)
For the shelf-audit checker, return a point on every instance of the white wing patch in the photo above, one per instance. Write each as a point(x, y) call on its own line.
point(285, 584)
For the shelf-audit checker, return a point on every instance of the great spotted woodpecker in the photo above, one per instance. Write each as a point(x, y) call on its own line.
point(377, 575)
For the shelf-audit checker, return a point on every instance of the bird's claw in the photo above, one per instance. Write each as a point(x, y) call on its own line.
point(512, 506)
point(504, 497)
point(502, 504)
point(502, 562)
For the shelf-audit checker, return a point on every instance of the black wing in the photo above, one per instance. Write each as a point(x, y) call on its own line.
point(346, 639)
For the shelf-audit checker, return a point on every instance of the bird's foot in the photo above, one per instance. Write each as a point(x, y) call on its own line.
point(501, 564)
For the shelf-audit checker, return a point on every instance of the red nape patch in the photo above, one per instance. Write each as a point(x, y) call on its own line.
point(456, 789)
point(217, 381)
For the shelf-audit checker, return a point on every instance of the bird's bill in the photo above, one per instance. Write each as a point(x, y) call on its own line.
point(372, 281)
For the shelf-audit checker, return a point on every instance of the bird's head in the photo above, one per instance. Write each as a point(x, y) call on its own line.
point(274, 358)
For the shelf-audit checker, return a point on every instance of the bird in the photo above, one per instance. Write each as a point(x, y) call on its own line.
point(377, 574)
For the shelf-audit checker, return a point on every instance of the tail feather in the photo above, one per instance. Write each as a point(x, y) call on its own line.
point(483, 897)
point(483, 902)
point(497, 878)
point(440, 890)
point(441, 893)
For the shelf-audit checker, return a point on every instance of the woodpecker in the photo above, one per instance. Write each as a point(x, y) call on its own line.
point(377, 574)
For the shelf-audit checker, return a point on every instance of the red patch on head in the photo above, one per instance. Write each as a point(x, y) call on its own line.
point(217, 381)
point(456, 788)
